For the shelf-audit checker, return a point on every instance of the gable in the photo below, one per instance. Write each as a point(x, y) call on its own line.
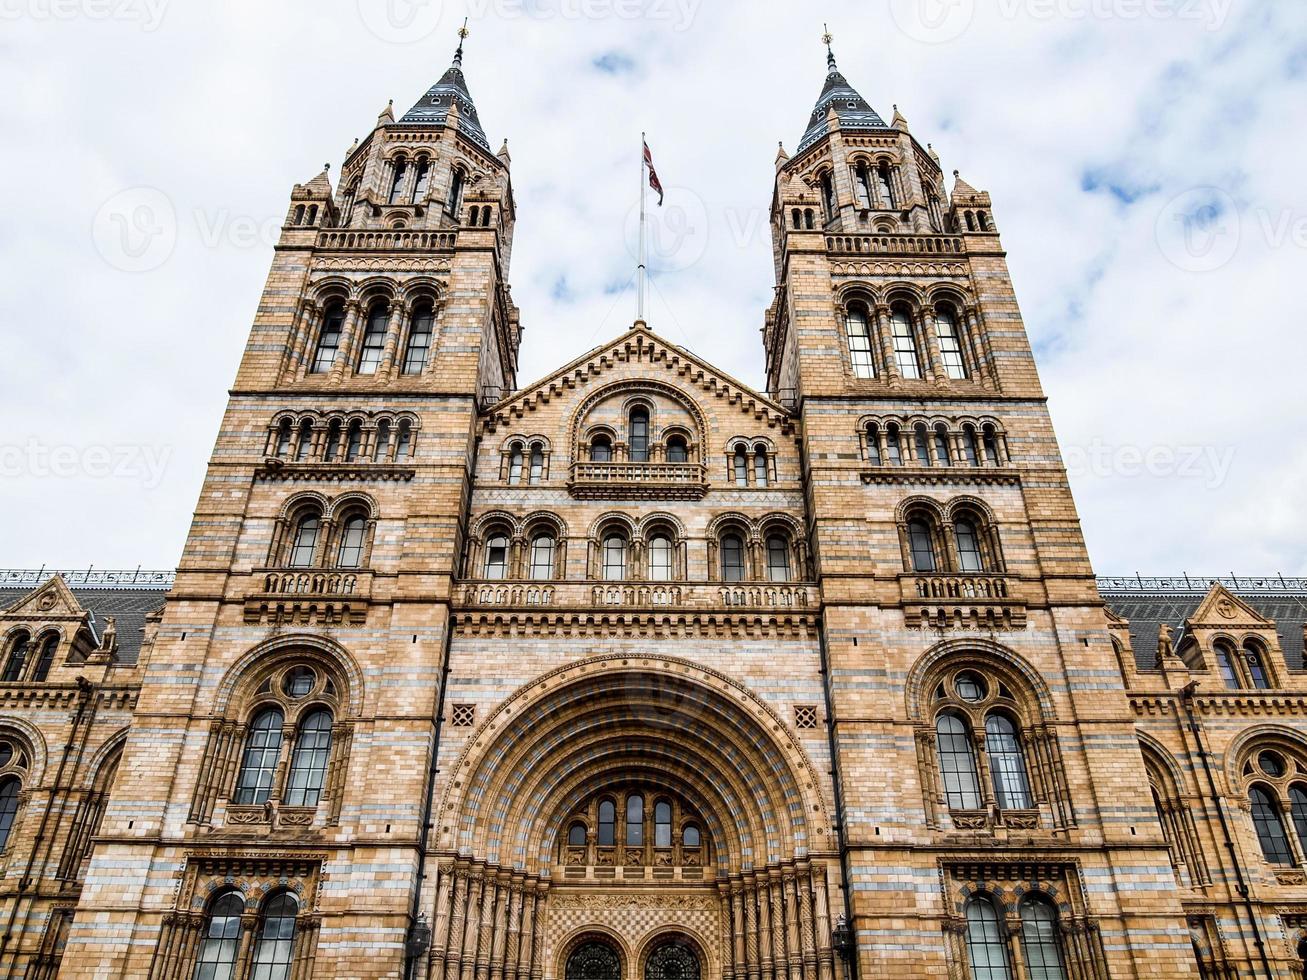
point(1221, 608)
point(51, 601)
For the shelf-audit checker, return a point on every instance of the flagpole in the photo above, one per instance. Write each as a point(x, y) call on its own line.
point(641, 271)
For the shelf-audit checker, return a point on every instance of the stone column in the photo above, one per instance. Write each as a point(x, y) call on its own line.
point(344, 351)
point(750, 900)
point(472, 924)
point(884, 338)
point(765, 928)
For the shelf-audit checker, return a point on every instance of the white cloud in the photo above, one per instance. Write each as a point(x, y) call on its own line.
point(222, 107)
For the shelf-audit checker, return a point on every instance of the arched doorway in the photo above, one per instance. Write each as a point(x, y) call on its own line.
point(673, 960)
point(594, 960)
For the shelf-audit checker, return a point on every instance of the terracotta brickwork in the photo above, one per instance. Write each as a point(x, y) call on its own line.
point(636, 671)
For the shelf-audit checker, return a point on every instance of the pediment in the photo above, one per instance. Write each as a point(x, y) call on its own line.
point(53, 600)
point(667, 363)
point(1222, 608)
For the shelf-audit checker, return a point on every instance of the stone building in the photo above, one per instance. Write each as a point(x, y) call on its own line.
point(636, 671)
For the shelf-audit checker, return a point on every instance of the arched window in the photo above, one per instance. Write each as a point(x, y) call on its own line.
point(661, 568)
point(497, 556)
point(862, 185)
point(921, 443)
point(1256, 667)
point(970, 447)
point(259, 763)
point(516, 460)
point(634, 820)
point(957, 763)
point(542, 557)
point(332, 450)
point(828, 194)
point(778, 558)
point(333, 321)
point(885, 187)
point(374, 339)
point(969, 556)
point(905, 345)
point(353, 441)
point(537, 465)
point(985, 946)
point(732, 558)
point(1298, 811)
point(761, 465)
point(404, 445)
point(989, 439)
point(46, 660)
point(399, 169)
point(677, 451)
point(690, 836)
point(304, 548)
point(1040, 942)
point(222, 933)
point(423, 182)
point(950, 344)
point(304, 445)
point(639, 435)
point(672, 961)
point(299, 215)
point(17, 659)
point(593, 961)
point(419, 340)
point(741, 466)
point(893, 447)
point(921, 544)
point(352, 537)
point(9, 790)
point(576, 835)
point(284, 433)
point(607, 823)
point(858, 331)
point(601, 450)
point(455, 199)
point(942, 454)
point(614, 558)
point(275, 948)
point(308, 764)
point(873, 444)
point(1225, 664)
point(1270, 827)
point(662, 824)
point(1007, 763)
point(382, 453)
point(1302, 955)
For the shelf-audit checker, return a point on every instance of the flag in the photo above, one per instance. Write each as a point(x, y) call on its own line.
point(654, 182)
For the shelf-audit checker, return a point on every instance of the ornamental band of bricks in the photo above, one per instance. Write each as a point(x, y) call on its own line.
point(458, 679)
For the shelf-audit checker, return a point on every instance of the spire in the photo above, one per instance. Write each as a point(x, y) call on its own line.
point(450, 91)
point(851, 109)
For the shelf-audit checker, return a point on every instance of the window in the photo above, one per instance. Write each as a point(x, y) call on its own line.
point(298, 682)
point(455, 199)
point(970, 687)
point(1256, 667)
point(332, 449)
point(305, 546)
point(382, 453)
point(352, 538)
point(873, 444)
point(859, 336)
point(1270, 827)
point(9, 790)
point(516, 459)
point(732, 558)
point(305, 444)
point(497, 557)
point(677, 451)
point(284, 433)
point(634, 821)
point(419, 340)
point(921, 546)
point(607, 823)
point(662, 824)
point(893, 447)
point(885, 187)
point(950, 346)
point(537, 465)
point(660, 558)
point(274, 951)
point(1225, 663)
point(828, 194)
point(404, 445)
point(576, 835)
point(905, 345)
point(614, 558)
point(957, 763)
point(741, 467)
point(639, 436)
point(542, 557)
point(1039, 939)
point(989, 439)
point(921, 442)
point(374, 339)
point(970, 448)
point(778, 558)
point(690, 837)
point(969, 556)
point(942, 454)
point(986, 949)
point(1007, 764)
point(259, 763)
point(761, 465)
point(353, 441)
point(46, 660)
point(601, 450)
point(217, 957)
point(423, 182)
point(17, 659)
point(308, 765)
point(1298, 811)
point(862, 186)
point(399, 169)
point(333, 321)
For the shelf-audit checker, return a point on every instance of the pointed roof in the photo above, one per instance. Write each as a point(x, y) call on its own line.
point(852, 110)
point(451, 90)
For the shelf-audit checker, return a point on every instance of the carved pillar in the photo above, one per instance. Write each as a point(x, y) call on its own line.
point(880, 316)
point(538, 940)
point(737, 927)
point(765, 926)
point(500, 938)
point(522, 967)
point(344, 351)
point(399, 318)
point(472, 924)
point(793, 940)
point(486, 935)
point(821, 896)
point(726, 926)
point(750, 887)
point(807, 938)
point(925, 323)
point(513, 944)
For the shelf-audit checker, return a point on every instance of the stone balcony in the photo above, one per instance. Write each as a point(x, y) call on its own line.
point(962, 601)
point(306, 596)
point(388, 240)
point(637, 481)
point(895, 245)
point(685, 596)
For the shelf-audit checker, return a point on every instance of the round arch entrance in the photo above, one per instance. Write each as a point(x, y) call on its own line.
point(673, 959)
point(593, 959)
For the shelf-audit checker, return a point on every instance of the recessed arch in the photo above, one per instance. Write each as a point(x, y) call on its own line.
point(980, 651)
point(278, 650)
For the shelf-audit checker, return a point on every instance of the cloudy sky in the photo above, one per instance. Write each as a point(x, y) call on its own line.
point(1144, 156)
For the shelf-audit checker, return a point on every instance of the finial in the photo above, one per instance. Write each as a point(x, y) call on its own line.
point(956, 174)
point(326, 167)
point(826, 39)
point(462, 35)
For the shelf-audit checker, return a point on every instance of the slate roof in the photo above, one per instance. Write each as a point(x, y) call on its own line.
point(1149, 602)
point(433, 109)
point(853, 111)
point(127, 596)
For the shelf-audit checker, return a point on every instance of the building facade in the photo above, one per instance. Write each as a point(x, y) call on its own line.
point(636, 671)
